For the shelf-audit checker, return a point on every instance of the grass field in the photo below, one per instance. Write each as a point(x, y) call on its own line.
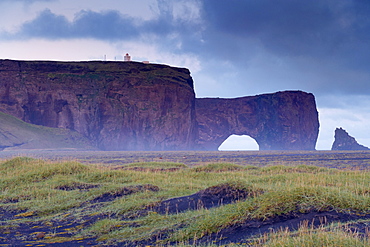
point(185, 198)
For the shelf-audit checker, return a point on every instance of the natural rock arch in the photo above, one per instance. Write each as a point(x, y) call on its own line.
point(279, 121)
point(238, 142)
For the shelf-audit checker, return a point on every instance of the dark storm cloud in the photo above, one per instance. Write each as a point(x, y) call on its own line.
point(26, 1)
point(165, 30)
point(107, 25)
point(285, 27)
point(323, 45)
point(290, 27)
point(46, 25)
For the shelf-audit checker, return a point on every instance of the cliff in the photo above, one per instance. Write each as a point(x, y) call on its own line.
point(136, 106)
point(119, 106)
point(343, 141)
point(279, 121)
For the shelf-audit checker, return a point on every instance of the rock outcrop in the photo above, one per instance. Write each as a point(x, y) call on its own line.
point(136, 106)
point(117, 105)
point(343, 141)
point(278, 121)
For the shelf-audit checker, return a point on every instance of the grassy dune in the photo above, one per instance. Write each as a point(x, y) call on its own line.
point(73, 203)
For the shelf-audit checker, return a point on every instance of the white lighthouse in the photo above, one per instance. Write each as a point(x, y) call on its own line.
point(127, 58)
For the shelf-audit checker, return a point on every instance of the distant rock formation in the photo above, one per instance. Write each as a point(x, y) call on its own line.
point(279, 121)
point(136, 106)
point(343, 141)
point(117, 105)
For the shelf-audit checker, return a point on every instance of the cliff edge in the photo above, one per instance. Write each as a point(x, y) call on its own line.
point(136, 106)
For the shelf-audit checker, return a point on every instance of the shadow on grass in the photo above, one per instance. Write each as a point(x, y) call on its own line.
point(243, 232)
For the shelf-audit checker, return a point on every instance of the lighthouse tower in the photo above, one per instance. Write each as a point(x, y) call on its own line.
point(127, 58)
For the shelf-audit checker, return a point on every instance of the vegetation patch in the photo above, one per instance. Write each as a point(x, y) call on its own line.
point(154, 166)
point(289, 223)
point(110, 196)
point(68, 203)
point(335, 234)
point(219, 167)
point(76, 186)
point(214, 196)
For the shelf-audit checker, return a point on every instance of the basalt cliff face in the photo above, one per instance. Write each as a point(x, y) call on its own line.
point(279, 121)
point(135, 106)
point(119, 106)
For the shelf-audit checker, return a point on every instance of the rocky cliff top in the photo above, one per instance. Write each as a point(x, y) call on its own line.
point(57, 69)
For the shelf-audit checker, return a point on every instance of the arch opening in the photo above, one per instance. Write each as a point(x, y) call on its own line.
point(239, 143)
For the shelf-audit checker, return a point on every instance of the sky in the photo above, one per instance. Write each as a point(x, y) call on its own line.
point(233, 48)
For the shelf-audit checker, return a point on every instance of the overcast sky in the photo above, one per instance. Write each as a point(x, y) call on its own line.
point(233, 48)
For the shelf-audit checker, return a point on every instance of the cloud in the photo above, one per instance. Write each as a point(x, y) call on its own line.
point(47, 25)
point(291, 27)
point(26, 1)
point(321, 47)
point(108, 25)
point(316, 46)
point(104, 25)
point(171, 28)
point(175, 18)
point(326, 29)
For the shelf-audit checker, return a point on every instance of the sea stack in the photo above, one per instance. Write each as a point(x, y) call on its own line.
point(343, 141)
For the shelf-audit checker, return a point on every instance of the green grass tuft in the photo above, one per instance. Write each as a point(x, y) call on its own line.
point(332, 236)
point(219, 167)
point(156, 165)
